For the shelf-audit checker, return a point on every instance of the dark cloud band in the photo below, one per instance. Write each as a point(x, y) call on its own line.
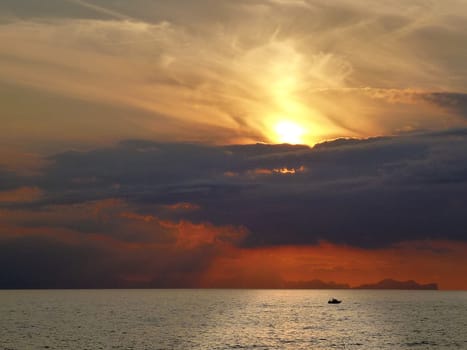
point(367, 193)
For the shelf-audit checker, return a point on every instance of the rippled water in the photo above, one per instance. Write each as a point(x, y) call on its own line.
point(232, 319)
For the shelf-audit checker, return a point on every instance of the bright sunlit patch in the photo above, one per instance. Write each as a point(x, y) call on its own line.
point(289, 132)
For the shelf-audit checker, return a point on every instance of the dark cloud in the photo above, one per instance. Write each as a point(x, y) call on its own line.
point(110, 218)
point(34, 262)
point(47, 257)
point(367, 193)
point(151, 214)
point(9, 180)
point(453, 101)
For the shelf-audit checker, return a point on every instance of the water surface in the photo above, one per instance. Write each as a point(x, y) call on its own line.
point(232, 319)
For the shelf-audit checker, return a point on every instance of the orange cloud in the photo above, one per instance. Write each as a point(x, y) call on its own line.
point(21, 195)
point(182, 206)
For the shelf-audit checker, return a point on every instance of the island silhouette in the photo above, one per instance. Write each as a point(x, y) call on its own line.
point(387, 283)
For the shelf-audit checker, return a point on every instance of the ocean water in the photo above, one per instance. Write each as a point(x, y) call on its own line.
point(232, 319)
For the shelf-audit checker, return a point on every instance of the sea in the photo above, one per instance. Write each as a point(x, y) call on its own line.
point(232, 319)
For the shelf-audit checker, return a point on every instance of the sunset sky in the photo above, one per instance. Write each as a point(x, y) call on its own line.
point(247, 143)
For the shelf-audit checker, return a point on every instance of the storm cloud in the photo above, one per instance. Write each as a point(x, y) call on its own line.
point(366, 193)
point(152, 214)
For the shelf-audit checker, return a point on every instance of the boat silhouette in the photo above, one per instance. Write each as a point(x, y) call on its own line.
point(334, 301)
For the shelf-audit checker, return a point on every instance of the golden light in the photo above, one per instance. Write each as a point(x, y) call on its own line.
point(289, 132)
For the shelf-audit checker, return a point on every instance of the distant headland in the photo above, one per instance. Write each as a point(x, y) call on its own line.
point(393, 284)
point(383, 284)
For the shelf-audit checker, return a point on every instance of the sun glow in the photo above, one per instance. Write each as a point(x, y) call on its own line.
point(289, 132)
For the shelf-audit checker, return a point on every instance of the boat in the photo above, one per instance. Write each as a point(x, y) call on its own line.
point(334, 301)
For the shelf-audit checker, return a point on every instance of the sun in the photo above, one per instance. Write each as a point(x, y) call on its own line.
point(289, 132)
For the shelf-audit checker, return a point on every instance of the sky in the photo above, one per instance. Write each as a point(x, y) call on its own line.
point(243, 144)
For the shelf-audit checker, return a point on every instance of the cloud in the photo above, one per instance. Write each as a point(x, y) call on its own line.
point(180, 214)
point(99, 9)
point(399, 110)
point(26, 9)
point(368, 193)
point(20, 195)
point(456, 102)
point(104, 244)
point(37, 262)
point(9, 180)
point(61, 258)
point(183, 73)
